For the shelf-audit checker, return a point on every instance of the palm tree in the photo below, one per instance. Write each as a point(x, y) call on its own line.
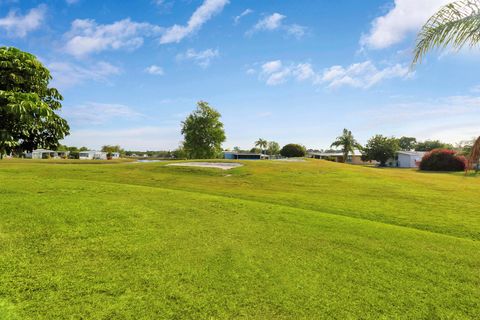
point(347, 142)
point(455, 24)
point(474, 156)
point(262, 144)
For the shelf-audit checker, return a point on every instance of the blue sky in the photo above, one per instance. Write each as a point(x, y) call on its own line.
point(290, 71)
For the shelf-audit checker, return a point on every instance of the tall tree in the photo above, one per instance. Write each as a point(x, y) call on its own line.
point(380, 148)
point(407, 143)
point(203, 133)
point(28, 118)
point(262, 144)
point(456, 24)
point(273, 148)
point(112, 149)
point(347, 142)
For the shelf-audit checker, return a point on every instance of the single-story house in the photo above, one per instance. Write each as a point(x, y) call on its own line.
point(92, 155)
point(406, 159)
point(115, 155)
point(355, 158)
point(41, 154)
point(233, 155)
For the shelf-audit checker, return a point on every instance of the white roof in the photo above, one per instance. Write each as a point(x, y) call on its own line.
point(336, 154)
point(412, 153)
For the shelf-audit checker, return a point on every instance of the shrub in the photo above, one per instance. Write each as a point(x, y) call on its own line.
point(74, 155)
point(293, 150)
point(442, 160)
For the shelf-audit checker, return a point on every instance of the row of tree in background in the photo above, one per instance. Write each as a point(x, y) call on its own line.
point(381, 148)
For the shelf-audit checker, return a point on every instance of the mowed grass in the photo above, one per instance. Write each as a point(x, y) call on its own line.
point(270, 240)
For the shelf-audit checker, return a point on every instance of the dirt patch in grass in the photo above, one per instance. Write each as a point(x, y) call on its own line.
point(216, 165)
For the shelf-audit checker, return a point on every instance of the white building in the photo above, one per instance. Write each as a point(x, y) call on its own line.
point(41, 154)
point(92, 155)
point(407, 159)
point(115, 155)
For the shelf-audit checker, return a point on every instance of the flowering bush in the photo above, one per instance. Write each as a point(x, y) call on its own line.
point(442, 160)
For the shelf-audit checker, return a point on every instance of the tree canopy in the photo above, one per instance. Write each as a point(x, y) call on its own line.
point(203, 133)
point(430, 145)
point(262, 144)
point(347, 143)
point(380, 148)
point(455, 24)
point(407, 143)
point(273, 148)
point(112, 149)
point(28, 106)
point(293, 150)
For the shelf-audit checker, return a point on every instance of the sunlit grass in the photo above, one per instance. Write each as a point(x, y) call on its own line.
point(270, 240)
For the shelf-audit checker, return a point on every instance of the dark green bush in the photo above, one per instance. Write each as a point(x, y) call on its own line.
point(442, 160)
point(293, 150)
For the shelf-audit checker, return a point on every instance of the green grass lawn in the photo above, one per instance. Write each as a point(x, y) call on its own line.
point(269, 240)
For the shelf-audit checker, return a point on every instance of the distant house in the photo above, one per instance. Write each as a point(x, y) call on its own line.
point(92, 155)
point(115, 155)
point(406, 159)
point(41, 154)
point(355, 158)
point(233, 155)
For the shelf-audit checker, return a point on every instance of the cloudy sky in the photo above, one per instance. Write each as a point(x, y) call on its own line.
point(291, 71)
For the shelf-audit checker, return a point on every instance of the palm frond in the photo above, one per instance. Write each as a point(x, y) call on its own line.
point(455, 24)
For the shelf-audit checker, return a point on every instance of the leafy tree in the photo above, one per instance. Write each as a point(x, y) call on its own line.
point(347, 142)
point(262, 144)
point(255, 150)
point(27, 104)
point(180, 153)
point(380, 148)
point(273, 148)
point(430, 145)
point(112, 149)
point(293, 150)
point(455, 24)
point(407, 143)
point(203, 132)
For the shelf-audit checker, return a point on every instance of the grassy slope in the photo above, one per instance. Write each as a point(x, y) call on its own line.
point(269, 240)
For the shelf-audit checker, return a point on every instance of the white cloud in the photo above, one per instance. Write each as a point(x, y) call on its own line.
point(93, 113)
point(271, 66)
point(19, 26)
point(246, 12)
point(86, 36)
point(275, 22)
point(202, 58)
point(296, 30)
point(359, 75)
point(405, 17)
point(275, 72)
point(67, 74)
point(205, 12)
point(270, 22)
point(304, 71)
point(155, 70)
